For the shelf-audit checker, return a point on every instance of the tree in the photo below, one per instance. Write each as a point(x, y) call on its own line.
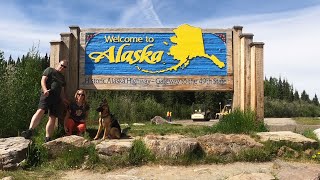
point(315, 100)
point(296, 96)
point(305, 96)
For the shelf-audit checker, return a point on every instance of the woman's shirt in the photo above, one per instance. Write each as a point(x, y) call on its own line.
point(78, 113)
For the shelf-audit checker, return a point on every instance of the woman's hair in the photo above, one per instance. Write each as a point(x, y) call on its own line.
point(83, 92)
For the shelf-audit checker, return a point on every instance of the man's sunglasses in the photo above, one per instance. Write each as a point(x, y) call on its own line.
point(63, 66)
point(80, 94)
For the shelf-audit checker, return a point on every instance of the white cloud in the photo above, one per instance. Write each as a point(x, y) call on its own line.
point(141, 14)
point(291, 44)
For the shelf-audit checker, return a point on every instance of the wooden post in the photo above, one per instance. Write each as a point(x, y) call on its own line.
point(73, 83)
point(237, 30)
point(245, 40)
point(65, 54)
point(257, 49)
point(55, 47)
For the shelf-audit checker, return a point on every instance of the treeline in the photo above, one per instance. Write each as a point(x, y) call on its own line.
point(281, 100)
point(281, 89)
point(20, 91)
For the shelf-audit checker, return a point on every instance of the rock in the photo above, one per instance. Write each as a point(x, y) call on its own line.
point(288, 136)
point(138, 124)
point(113, 147)
point(317, 133)
point(158, 120)
point(59, 145)
point(8, 178)
point(223, 144)
point(170, 145)
point(13, 150)
point(286, 150)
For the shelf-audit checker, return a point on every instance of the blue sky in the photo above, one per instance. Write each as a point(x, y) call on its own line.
point(289, 28)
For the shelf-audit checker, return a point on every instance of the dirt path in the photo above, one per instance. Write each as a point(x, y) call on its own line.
point(270, 170)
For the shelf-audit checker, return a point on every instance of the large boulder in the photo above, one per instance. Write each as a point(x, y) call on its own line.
point(170, 145)
point(317, 133)
point(13, 150)
point(158, 120)
point(59, 145)
point(288, 136)
point(224, 144)
point(113, 147)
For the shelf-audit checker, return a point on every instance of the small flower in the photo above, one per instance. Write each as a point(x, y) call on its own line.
point(314, 156)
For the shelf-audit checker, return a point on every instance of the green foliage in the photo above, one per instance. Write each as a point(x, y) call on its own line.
point(310, 134)
point(37, 154)
point(165, 129)
point(254, 155)
point(282, 108)
point(240, 122)
point(74, 158)
point(139, 154)
point(316, 156)
point(20, 97)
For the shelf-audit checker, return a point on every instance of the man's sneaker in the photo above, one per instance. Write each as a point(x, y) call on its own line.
point(47, 139)
point(27, 134)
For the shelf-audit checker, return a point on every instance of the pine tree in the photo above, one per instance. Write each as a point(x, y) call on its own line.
point(305, 96)
point(315, 100)
point(296, 96)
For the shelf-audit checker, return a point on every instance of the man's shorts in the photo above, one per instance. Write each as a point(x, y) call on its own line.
point(50, 103)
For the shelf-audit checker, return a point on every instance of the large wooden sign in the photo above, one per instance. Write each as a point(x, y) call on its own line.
point(184, 58)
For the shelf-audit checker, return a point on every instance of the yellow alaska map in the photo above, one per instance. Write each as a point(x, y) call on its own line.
point(188, 42)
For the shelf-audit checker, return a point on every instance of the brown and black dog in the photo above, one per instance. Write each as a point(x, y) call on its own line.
point(107, 122)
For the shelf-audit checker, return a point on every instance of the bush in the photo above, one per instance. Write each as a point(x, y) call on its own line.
point(280, 108)
point(240, 122)
point(139, 154)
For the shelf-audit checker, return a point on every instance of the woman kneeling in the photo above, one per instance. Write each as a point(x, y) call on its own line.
point(77, 114)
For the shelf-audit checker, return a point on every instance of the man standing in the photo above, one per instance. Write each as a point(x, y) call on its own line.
point(169, 113)
point(52, 87)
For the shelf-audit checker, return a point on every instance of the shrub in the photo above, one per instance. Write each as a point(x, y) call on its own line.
point(139, 154)
point(240, 122)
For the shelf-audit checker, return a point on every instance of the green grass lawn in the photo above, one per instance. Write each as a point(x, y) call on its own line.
point(307, 120)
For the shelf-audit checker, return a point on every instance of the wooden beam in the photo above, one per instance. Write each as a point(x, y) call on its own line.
point(259, 78)
point(237, 30)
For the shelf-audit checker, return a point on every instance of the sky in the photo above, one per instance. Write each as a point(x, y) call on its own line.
point(289, 28)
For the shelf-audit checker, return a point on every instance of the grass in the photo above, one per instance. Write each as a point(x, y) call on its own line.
point(309, 134)
point(307, 120)
point(240, 122)
point(165, 129)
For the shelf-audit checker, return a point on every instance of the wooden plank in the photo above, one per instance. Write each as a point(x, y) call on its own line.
point(259, 79)
point(74, 59)
point(253, 92)
point(246, 39)
point(168, 83)
point(65, 54)
point(54, 53)
point(237, 30)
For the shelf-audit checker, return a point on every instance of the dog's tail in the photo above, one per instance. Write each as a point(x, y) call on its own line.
point(124, 132)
